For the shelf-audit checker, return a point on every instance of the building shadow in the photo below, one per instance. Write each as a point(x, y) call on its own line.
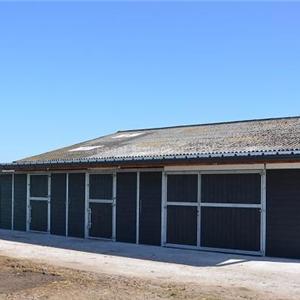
point(195, 258)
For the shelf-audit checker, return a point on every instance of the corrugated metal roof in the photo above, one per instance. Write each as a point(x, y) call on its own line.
point(239, 138)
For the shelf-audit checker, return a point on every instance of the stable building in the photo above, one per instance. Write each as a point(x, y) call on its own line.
point(229, 187)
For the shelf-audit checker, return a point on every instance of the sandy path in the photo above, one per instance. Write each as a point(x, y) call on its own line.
point(265, 278)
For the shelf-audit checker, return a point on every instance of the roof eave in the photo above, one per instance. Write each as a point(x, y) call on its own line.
point(212, 158)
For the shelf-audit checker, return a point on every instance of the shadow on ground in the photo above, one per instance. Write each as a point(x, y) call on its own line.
point(160, 254)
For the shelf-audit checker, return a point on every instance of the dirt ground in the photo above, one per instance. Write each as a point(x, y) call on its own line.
point(39, 266)
point(24, 279)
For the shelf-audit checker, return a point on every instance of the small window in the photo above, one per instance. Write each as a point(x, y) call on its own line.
point(39, 186)
point(231, 188)
point(182, 188)
point(101, 186)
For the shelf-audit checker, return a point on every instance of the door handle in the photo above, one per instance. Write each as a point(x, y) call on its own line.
point(89, 218)
point(140, 206)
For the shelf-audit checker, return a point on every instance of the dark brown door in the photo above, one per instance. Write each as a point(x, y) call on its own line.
point(101, 220)
point(150, 208)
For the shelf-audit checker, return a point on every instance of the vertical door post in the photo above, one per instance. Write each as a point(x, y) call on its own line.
point(199, 210)
point(12, 200)
point(137, 207)
point(67, 203)
point(114, 206)
point(164, 210)
point(263, 212)
point(86, 215)
point(48, 204)
point(28, 213)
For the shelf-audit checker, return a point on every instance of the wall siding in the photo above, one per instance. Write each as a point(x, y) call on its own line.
point(182, 225)
point(283, 213)
point(58, 204)
point(150, 208)
point(182, 188)
point(101, 220)
point(39, 216)
point(126, 207)
point(230, 228)
point(76, 205)
point(101, 186)
point(39, 186)
point(20, 192)
point(5, 201)
point(231, 188)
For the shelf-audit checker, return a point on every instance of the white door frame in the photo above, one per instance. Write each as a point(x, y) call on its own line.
point(12, 200)
point(46, 199)
point(103, 201)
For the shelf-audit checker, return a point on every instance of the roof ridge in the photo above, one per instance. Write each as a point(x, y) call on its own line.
point(213, 123)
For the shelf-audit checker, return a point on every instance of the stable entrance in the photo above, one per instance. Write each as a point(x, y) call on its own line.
point(39, 203)
point(215, 211)
point(101, 206)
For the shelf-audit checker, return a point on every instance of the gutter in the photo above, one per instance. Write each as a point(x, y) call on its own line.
point(161, 160)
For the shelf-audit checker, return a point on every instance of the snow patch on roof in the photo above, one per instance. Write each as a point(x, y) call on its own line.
point(85, 148)
point(126, 135)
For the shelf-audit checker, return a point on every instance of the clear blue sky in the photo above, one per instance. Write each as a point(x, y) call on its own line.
point(74, 71)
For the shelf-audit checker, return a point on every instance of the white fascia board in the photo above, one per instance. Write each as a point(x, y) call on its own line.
point(271, 166)
point(215, 167)
point(102, 170)
point(7, 171)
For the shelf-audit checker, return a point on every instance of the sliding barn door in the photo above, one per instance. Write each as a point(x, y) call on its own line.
point(231, 211)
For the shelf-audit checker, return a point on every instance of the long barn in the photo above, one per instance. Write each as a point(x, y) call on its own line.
point(230, 187)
